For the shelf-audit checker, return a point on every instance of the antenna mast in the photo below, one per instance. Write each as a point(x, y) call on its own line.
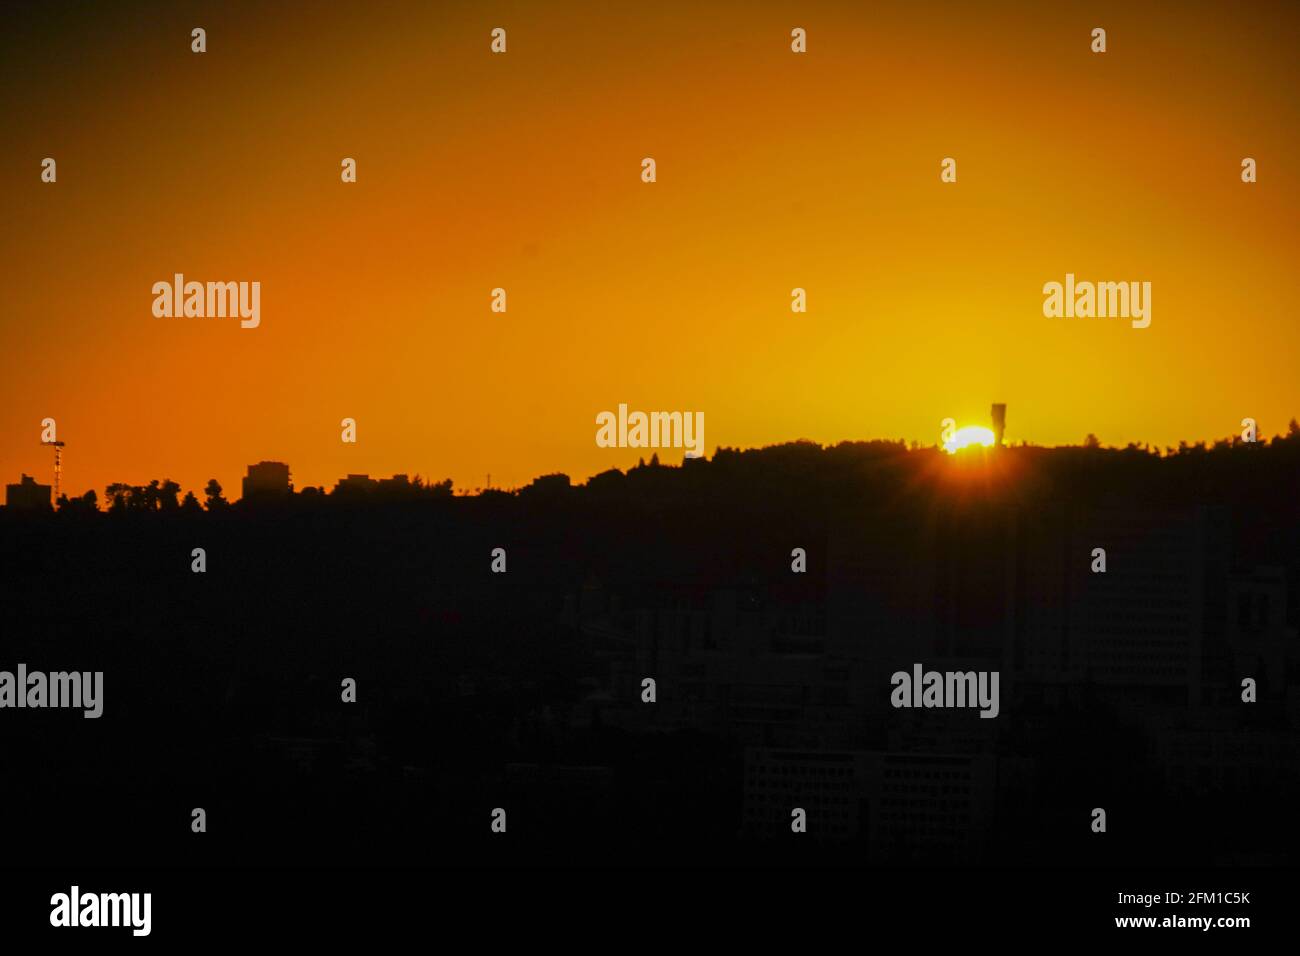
point(58, 466)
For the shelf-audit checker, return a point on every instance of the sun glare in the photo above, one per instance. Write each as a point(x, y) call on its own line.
point(968, 436)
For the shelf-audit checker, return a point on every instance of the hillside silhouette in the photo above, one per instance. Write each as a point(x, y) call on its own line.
point(523, 690)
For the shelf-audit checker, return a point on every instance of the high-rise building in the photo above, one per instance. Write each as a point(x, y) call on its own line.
point(999, 424)
point(267, 479)
point(913, 807)
point(1138, 625)
point(27, 495)
point(353, 484)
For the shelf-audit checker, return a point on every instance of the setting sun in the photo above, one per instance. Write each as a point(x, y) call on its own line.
point(967, 436)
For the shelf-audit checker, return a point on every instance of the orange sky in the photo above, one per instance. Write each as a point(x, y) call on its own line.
point(523, 171)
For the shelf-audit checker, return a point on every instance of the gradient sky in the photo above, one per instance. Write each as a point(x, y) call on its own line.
point(523, 171)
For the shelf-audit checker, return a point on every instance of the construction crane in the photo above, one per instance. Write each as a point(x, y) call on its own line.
point(58, 466)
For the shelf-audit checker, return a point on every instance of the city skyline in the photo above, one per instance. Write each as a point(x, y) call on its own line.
point(924, 298)
point(267, 475)
point(650, 445)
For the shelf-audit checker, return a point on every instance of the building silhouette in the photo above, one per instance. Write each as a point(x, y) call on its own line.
point(27, 495)
point(361, 484)
point(906, 807)
point(267, 479)
point(353, 484)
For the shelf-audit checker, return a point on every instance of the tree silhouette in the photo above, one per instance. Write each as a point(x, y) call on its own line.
point(213, 492)
point(119, 496)
point(167, 495)
point(85, 504)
